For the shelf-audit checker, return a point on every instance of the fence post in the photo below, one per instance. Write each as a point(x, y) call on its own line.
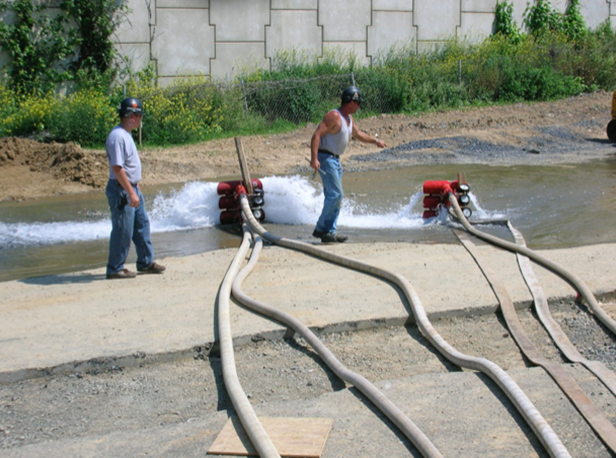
point(460, 72)
point(244, 97)
point(352, 79)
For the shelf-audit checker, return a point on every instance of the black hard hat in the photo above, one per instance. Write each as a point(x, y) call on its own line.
point(130, 105)
point(351, 94)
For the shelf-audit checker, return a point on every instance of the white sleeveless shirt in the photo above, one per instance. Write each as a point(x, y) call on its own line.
point(337, 143)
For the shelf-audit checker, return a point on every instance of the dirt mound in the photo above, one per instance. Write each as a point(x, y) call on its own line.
point(66, 162)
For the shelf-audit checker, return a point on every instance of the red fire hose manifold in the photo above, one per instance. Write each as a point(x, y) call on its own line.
point(229, 202)
point(436, 193)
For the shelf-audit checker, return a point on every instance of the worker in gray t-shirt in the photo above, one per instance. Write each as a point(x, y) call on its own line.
point(129, 220)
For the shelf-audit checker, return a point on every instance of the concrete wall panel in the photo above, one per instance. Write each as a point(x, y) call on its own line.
point(392, 5)
point(202, 4)
point(436, 23)
point(595, 12)
point(136, 29)
point(137, 54)
point(390, 29)
point(294, 4)
point(478, 6)
point(519, 6)
point(293, 29)
point(476, 26)
point(218, 37)
point(559, 5)
point(239, 20)
point(344, 20)
point(233, 58)
point(184, 42)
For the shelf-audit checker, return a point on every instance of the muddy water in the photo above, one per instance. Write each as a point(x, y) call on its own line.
point(553, 206)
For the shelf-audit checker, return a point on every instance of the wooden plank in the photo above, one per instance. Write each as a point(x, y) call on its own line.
point(243, 166)
point(292, 437)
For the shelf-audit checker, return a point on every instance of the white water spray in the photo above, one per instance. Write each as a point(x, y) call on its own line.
point(292, 200)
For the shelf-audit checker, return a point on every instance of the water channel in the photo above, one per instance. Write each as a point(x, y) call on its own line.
point(554, 207)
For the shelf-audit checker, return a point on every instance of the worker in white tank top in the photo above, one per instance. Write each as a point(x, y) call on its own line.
point(328, 143)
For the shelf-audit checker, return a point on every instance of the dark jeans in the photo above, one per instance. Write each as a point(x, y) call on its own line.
point(127, 223)
point(332, 190)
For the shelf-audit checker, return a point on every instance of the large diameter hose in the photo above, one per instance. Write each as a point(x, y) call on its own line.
point(591, 413)
point(533, 417)
point(575, 281)
point(543, 312)
point(410, 430)
point(259, 438)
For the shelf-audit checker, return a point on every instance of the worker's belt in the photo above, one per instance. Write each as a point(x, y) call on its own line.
point(118, 183)
point(324, 151)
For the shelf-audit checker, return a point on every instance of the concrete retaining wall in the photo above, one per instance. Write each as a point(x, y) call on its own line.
point(221, 37)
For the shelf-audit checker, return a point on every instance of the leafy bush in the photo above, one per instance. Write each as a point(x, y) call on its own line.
point(35, 43)
point(85, 116)
point(185, 111)
point(382, 90)
point(574, 25)
point(541, 19)
point(30, 117)
point(298, 101)
point(535, 84)
point(504, 24)
point(45, 50)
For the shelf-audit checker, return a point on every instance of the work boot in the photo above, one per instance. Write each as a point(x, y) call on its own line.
point(124, 273)
point(334, 238)
point(153, 269)
point(318, 234)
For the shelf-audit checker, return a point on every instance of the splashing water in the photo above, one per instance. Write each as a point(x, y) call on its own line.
point(290, 200)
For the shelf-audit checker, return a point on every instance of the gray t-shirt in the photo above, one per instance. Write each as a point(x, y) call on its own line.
point(122, 151)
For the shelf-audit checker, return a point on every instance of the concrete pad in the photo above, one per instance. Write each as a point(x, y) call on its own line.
point(57, 322)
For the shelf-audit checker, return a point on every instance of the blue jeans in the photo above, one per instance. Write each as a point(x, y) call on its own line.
point(127, 223)
point(332, 189)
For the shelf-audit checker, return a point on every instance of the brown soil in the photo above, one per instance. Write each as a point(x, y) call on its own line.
point(29, 169)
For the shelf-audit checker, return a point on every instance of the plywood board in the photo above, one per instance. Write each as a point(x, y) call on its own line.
point(292, 437)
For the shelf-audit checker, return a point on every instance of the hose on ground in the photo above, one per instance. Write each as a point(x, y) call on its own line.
point(549, 323)
point(575, 281)
point(591, 413)
point(259, 438)
point(522, 403)
point(410, 430)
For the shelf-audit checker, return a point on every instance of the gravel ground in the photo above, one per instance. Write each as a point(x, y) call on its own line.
point(81, 404)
